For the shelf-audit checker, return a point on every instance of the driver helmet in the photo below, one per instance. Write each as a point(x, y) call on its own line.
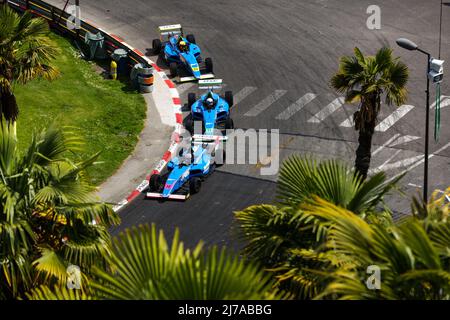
point(183, 45)
point(209, 101)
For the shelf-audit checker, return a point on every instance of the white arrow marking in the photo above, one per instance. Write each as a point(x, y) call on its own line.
point(385, 144)
point(385, 165)
point(296, 106)
point(404, 139)
point(264, 104)
point(329, 109)
point(420, 162)
point(393, 118)
point(398, 164)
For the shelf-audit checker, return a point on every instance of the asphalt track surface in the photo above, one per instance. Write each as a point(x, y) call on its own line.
point(277, 52)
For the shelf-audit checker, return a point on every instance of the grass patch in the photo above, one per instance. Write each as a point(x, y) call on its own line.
point(107, 114)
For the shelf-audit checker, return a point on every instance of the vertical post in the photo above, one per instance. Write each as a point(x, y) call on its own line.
point(77, 15)
point(440, 31)
point(427, 125)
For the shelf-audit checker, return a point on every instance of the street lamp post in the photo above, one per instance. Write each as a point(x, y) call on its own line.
point(409, 45)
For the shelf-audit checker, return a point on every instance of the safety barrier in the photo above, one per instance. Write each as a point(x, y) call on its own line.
point(58, 19)
point(146, 69)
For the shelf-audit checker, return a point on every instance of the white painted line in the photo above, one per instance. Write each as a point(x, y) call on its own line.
point(420, 162)
point(348, 123)
point(329, 109)
point(438, 190)
point(385, 144)
point(445, 102)
point(394, 117)
point(185, 86)
point(296, 106)
point(241, 95)
point(265, 103)
point(404, 139)
point(402, 163)
point(382, 166)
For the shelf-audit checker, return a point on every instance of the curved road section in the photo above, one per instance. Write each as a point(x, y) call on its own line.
point(277, 58)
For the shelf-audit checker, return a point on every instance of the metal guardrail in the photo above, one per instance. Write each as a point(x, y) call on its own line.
point(58, 20)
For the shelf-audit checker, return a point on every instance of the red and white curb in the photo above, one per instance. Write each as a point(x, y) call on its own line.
point(175, 138)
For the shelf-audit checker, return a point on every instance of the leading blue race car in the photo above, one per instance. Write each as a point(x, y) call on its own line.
point(186, 171)
point(177, 50)
point(211, 110)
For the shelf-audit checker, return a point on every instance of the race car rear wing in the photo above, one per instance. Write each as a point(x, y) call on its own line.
point(210, 84)
point(155, 195)
point(191, 78)
point(206, 138)
point(170, 30)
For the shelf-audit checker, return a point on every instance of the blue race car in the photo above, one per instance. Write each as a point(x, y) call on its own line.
point(186, 172)
point(212, 110)
point(177, 50)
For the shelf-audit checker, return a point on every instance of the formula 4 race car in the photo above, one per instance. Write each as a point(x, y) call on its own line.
point(212, 110)
point(177, 50)
point(186, 172)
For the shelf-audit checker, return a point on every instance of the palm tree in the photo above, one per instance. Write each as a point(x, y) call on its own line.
point(143, 266)
point(286, 241)
point(364, 80)
point(413, 257)
point(47, 212)
point(25, 54)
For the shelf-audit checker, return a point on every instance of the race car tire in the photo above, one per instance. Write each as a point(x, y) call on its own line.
point(194, 185)
point(156, 46)
point(229, 123)
point(229, 98)
point(155, 182)
point(209, 65)
point(190, 125)
point(190, 38)
point(173, 69)
point(191, 99)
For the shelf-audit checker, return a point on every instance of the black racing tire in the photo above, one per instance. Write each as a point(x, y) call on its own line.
point(191, 99)
point(190, 38)
point(190, 125)
point(229, 123)
point(156, 46)
point(194, 185)
point(173, 69)
point(229, 98)
point(155, 183)
point(209, 65)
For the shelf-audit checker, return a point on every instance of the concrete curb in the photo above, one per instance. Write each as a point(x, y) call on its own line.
point(176, 111)
point(168, 106)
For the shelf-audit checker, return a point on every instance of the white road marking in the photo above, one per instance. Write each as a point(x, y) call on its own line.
point(438, 190)
point(241, 95)
point(445, 102)
point(347, 123)
point(382, 166)
point(402, 163)
point(420, 162)
point(296, 106)
point(329, 109)
point(265, 103)
point(393, 118)
point(385, 144)
point(404, 139)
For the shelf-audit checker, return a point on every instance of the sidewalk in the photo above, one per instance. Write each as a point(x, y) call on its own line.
point(159, 123)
